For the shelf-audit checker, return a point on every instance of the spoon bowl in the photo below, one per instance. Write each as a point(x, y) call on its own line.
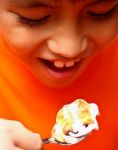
point(55, 141)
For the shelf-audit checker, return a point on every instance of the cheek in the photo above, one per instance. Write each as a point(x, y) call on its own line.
point(103, 35)
point(17, 39)
point(21, 40)
point(106, 36)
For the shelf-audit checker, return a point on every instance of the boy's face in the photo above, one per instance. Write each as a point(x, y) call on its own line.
point(56, 39)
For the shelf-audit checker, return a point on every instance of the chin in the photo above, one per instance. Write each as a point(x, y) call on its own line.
point(58, 84)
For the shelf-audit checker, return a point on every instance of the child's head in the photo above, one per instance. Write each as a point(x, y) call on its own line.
point(56, 38)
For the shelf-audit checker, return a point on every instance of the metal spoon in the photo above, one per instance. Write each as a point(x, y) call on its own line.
point(53, 140)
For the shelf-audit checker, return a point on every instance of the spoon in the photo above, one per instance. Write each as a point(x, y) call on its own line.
point(76, 140)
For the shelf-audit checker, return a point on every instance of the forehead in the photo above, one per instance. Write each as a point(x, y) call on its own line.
point(37, 3)
point(46, 2)
point(50, 1)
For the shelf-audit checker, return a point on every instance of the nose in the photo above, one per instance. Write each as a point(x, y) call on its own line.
point(67, 42)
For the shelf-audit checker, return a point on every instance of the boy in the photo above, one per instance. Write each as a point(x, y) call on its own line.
point(46, 47)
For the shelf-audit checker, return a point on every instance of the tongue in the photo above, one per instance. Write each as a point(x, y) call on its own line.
point(51, 66)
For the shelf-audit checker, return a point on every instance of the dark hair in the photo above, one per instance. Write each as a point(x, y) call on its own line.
point(71, 1)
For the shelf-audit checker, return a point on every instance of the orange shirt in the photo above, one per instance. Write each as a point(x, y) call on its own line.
point(24, 98)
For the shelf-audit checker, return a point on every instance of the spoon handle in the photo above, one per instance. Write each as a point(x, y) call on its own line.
point(46, 140)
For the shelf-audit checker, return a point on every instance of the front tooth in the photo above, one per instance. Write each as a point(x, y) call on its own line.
point(59, 64)
point(69, 63)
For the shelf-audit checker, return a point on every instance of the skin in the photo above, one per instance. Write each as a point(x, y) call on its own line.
point(68, 33)
point(15, 136)
point(61, 31)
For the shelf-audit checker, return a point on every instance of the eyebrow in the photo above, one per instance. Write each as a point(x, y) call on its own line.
point(48, 3)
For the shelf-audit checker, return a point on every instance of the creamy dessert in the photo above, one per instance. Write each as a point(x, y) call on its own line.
point(75, 120)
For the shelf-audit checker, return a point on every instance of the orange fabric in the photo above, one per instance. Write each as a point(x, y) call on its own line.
point(24, 98)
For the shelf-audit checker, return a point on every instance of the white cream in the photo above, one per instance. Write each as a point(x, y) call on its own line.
point(77, 125)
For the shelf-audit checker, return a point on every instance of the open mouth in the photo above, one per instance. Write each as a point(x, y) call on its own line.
point(59, 69)
point(62, 67)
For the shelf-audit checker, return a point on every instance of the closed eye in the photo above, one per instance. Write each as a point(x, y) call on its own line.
point(33, 22)
point(103, 15)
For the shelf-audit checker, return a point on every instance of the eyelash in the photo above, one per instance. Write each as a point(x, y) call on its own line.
point(41, 21)
point(102, 16)
point(33, 22)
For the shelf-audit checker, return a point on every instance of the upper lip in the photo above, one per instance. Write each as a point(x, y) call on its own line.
point(61, 59)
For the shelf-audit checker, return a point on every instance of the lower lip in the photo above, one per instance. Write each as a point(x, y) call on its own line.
point(62, 74)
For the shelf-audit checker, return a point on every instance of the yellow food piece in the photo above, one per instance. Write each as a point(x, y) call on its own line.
point(83, 112)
